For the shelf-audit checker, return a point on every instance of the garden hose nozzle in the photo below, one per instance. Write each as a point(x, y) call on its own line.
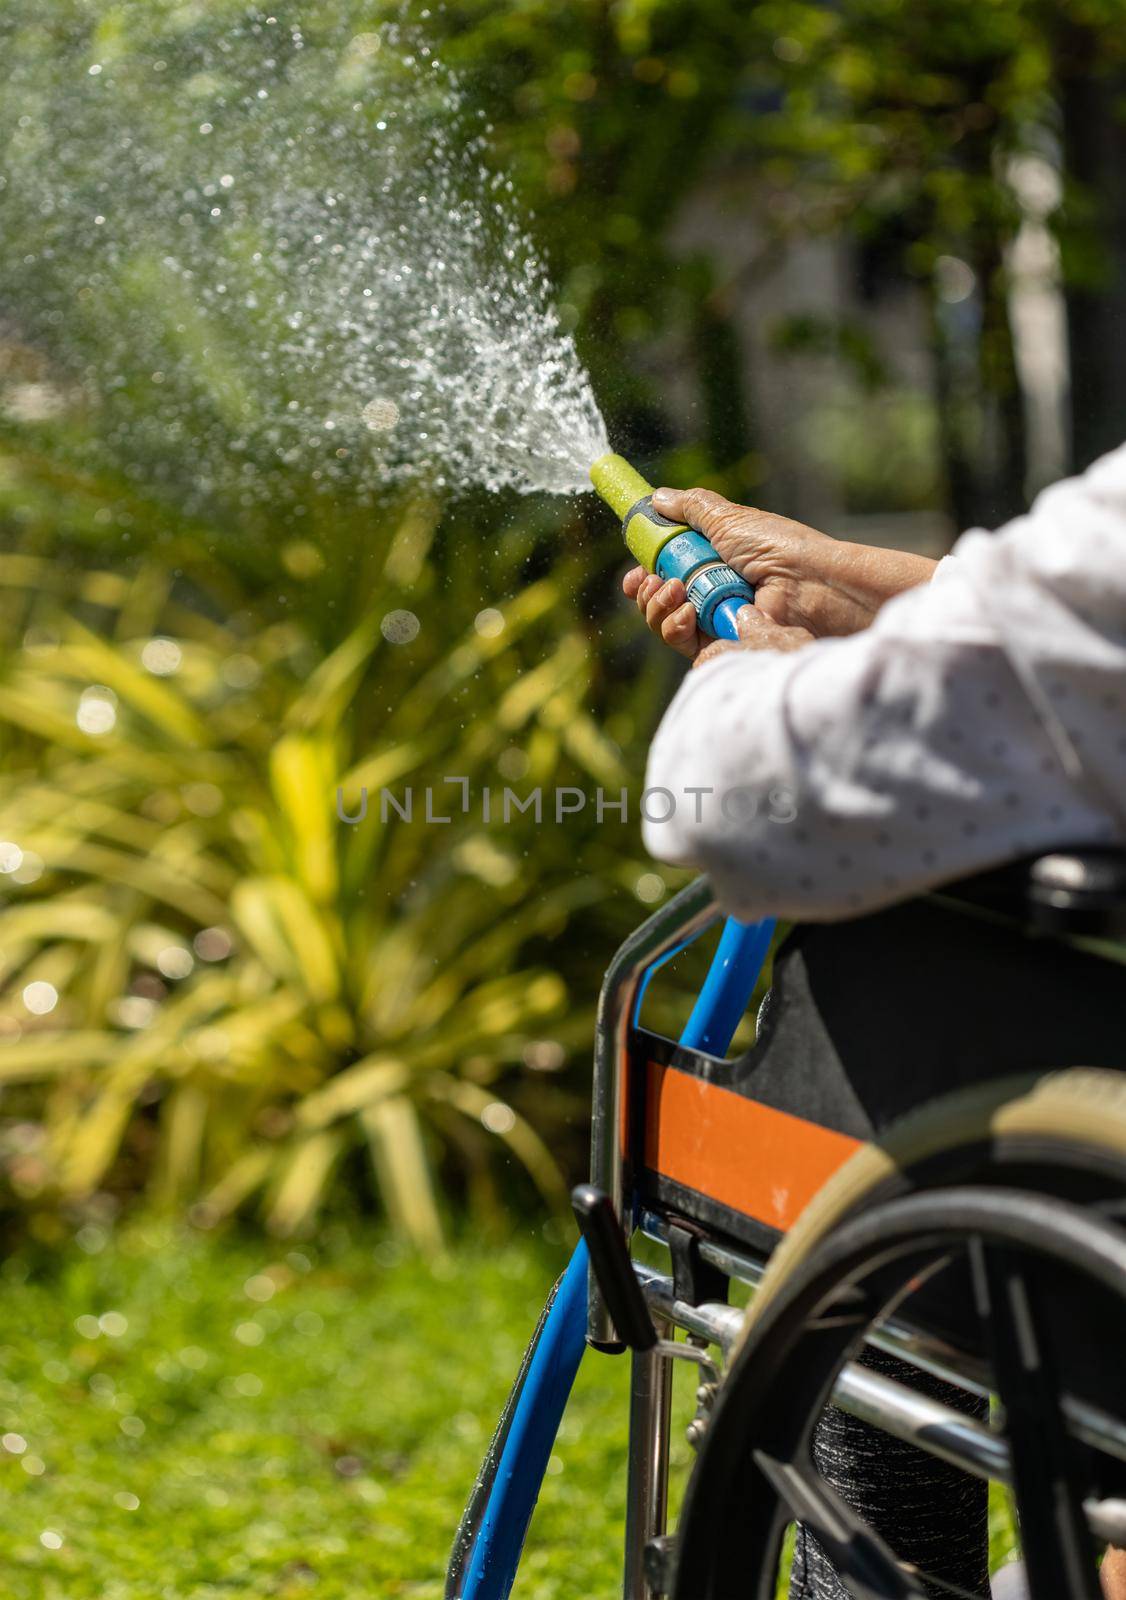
point(670, 549)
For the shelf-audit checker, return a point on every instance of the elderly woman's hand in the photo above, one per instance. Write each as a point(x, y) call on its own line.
point(757, 631)
point(806, 584)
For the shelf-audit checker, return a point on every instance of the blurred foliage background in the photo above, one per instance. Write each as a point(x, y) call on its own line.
point(863, 263)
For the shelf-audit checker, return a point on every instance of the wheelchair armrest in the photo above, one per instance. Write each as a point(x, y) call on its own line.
point(1079, 891)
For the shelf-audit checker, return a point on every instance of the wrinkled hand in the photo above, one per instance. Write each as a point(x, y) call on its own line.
point(806, 584)
point(671, 615)
point(757, 631)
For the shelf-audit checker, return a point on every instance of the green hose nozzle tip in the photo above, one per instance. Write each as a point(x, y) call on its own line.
point(619, 484)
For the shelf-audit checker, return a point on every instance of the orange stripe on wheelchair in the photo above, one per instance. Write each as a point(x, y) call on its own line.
point(762, 1163)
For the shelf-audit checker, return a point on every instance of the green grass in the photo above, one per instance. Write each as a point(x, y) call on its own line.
point(279, 1424)
point(196, 1417)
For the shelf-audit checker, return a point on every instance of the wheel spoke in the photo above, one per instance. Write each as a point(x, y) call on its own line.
point(866, 1566)
point(1047, 1461)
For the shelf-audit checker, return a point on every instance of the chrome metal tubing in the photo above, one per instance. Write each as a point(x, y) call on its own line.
point(925, 1351)
point(686, 915)
point(715, 1322)
point(1095, 1426)
point(922, 1350)
point(903, 1412)
point(647, 1483)
point(948, 1434)
point(913, 1417)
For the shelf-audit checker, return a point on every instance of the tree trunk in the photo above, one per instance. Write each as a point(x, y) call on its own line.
point(721, 365)
point(1094, 243)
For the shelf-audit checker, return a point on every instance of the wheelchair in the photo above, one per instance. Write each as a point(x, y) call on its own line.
point(974, 1237)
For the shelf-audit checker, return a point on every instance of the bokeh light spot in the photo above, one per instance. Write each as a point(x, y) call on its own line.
point(498, 1118)
point(212, 944)
point(489, 623)
point(174, 961)
point(380, 415)
point(40, 997)
point(400, 627)
point(649, 887)
point(97, 710)
point(162, 657)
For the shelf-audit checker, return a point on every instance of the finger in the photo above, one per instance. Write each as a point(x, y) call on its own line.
point(749, 621)
point(679, 630)
point(664, 602)
point(632, 581)
point(670, 503)
point(646, 590)
point(757, 631)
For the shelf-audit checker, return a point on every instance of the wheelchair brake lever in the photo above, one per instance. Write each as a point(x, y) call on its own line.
point(624, 1296)
point(599, 1226)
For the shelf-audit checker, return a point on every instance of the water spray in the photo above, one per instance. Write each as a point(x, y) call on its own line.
point(672, 549)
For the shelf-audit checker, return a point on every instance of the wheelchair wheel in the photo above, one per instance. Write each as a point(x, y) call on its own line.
point(1017, 1192)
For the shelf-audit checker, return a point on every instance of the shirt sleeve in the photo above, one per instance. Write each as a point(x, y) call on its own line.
point(980, 717)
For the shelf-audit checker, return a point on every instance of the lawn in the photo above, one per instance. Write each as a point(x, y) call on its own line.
point(182, 1416)
point(187, 1418)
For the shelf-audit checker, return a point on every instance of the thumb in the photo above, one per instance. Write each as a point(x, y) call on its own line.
point(750, 621)
point(703, 509)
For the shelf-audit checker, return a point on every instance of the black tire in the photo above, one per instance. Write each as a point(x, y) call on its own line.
point(756, 1472)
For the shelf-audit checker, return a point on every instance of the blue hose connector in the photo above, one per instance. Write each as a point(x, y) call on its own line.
point(708, 580)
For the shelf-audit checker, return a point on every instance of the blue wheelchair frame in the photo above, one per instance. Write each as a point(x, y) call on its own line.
point(492, 1533)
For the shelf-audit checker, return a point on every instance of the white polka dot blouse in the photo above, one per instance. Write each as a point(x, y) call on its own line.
point(980, 717)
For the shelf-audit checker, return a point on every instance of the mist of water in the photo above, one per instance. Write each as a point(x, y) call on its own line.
point(236, 256)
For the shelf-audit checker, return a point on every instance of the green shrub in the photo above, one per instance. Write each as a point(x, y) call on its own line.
point(170, 789)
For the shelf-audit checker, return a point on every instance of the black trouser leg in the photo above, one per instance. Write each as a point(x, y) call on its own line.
point(930, 1514)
